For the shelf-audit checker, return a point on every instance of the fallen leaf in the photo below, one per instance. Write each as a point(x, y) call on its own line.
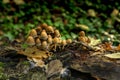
point(113, 55)
point(83, 27)
point(36, 53)
point(94, 42)
point(39, 62)
point(118, 48)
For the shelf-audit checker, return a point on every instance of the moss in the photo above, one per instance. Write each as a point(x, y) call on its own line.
point(3, 76)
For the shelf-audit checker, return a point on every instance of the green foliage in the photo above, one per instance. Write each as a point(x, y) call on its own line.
point(97, 16)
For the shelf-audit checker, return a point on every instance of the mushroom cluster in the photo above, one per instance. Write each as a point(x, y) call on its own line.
point(46, 38)
point(82, 37)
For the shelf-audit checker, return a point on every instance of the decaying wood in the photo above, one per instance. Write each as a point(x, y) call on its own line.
point(92, 62)
point(83, 60)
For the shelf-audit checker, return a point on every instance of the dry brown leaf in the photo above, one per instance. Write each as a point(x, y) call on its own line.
point(108, 46)
point(118, 48)
point(39, 62)
point(36, 53)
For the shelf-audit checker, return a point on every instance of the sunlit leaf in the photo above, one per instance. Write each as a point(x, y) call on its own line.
point(113, 55)
point(83, 27)
point(36, 53)
point(94, 42)
point(73, 35)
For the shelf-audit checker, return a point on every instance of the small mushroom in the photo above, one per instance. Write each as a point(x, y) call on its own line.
point(81, 33)
point(44, 45)
point(38, 29)
point(50, 29)
point(38, 42)
point(63, 43)
point(33, 33)
point(69, 41)
point(30, 41)
point(43, 35)
point(44, 25)
point(57, 33)
point(56, 42)
point(49, 40)
point(83, 38)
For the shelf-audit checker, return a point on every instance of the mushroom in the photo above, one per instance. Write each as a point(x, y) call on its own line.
point(57, 33)
point(49, 40)
point(44, 25)
point(83, 38)
point(44, 45)
point(33, 33)
point(43, 35)
point(38, 42)
point(49, 29)
point(56, 42)
point(82, 33)
point(38, 29)
point(30, 41)
point(69, 41)
point(63, 43)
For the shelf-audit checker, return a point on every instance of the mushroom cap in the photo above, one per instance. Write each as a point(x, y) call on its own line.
point(38, 42)
point(56, 40)
point(64, 42)
point(49, 36)
point(83, 39)
point(50, 29)
point(44, 25)
point(30, 40)
point(44, 45)
point(81, 33)
point(38, 29)
point(69, 41)
point(57, 33)
point(43, 35)
point(49, 40)
point(33, 33)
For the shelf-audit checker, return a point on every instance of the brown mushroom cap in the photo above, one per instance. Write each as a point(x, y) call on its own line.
point(38, 42)
point(38, 29)
point(30, 40)
point(69, 41)
point(56, 40)
point(33, 33)
point(44, 25)
point(49, 40)
point(57, 33)
point(44, 45)
point(43, 35)
point(81, 33)
point(50, 29)
point(64, 42)
point(83, 39)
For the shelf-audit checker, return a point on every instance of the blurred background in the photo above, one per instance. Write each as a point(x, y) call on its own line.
point(98, 18)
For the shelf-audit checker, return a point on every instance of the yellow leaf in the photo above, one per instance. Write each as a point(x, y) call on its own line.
point(94, 42)
point(39, 62)
point(91, 12)
point(113, 56)
point(36, 53)
point(83, 27)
